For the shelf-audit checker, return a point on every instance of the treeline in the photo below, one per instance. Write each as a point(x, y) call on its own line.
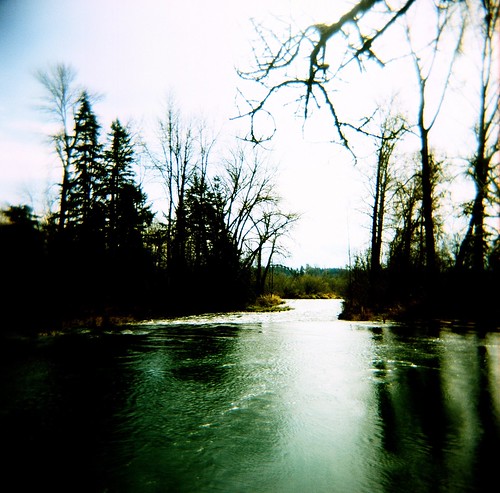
point(307, 282)
point(104, 253)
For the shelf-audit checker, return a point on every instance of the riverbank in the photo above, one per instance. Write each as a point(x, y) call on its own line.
point(114, 318)
point(452, 295)
point(462, 313)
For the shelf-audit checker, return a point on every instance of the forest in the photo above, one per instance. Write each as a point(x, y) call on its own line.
point(101, 252)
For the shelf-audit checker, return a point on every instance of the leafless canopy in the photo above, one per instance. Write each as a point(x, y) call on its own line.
point(279, 62)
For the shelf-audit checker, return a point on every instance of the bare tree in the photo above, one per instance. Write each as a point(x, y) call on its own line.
point(268, 229)
point(253, 214)
point(425, 61)
point(248, 185)
point(391, 130)
point(175, 163)
point(60, 100)
point(473, 248)
point(211, 210)
point(406, 246)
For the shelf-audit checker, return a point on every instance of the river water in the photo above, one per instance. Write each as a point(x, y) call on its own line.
point(294, 401)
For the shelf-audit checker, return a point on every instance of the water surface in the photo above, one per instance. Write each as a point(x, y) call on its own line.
point(295, 401)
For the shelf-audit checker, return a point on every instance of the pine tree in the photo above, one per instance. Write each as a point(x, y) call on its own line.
point(126, 210)
point(127, 215)
point(86, 217)
point(211, 255)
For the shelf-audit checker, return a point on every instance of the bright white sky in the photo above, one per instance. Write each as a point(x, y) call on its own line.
point(135, 53)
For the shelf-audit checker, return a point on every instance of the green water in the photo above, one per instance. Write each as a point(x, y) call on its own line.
point(294, 401)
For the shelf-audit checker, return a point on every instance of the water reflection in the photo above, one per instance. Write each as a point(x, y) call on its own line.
point(288, 402)
point(438, 420)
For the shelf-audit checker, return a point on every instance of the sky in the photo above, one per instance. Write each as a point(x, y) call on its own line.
point(136, 54)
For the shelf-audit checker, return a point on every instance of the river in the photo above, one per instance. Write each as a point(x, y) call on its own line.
point(293, 401)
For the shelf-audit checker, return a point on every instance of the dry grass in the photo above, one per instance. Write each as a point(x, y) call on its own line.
point(268, 303)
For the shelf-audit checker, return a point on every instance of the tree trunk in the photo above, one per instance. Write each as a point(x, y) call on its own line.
point(478, 237)
point(375, 244)
point(63, 207)
point(481, 166)
point(427, 201)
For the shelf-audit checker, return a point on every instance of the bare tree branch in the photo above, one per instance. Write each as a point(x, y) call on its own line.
point(278, 56)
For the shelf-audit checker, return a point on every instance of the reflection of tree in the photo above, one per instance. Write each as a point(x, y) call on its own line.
point(438, 426)
point(426, 402)
point(489, 439)
point(413, 427)
point(388, 417)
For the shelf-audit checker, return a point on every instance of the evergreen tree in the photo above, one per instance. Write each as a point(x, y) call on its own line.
point(127, 212)
point(84, 240)
point(211, 255)
point(126, 217)
point(86, 212)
